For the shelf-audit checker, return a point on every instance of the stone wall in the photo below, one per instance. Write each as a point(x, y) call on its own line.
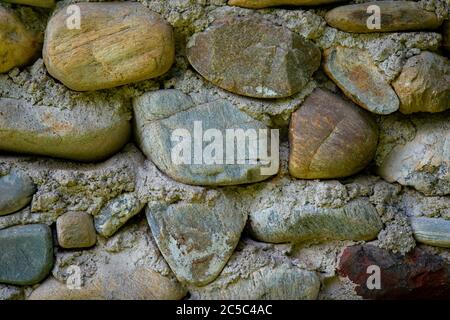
point(353, 184)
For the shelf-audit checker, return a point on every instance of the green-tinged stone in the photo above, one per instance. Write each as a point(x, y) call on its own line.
point(196, 239)
point(35, 3)
point(85, 133)
point(431, 231)
point(16, 191)
point(357, 220)
point(116, 213)
point(359, 78)
point(26, 254)
point(160, 114)
point(395, 16)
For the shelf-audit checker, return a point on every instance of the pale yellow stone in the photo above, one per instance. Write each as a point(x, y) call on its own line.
point(117, 43)
point(18, 46)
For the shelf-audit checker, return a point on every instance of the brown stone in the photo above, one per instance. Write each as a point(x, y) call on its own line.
point(417, 275)
point(424, 84)
point(395, 16)
point(446, 36)
point(254, 57)
point(358, 77)
point(258, 4)
point(330, 138)
point(36, 3)
point(76, 230)
point(117, 44)
point(18, 46)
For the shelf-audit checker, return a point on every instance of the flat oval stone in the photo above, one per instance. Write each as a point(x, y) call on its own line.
point(84, 133)
point(253, 57)
point(357, 220)
point(16, 191)
point(26, 254)
point(36, 3)
point(258, 4)
point(171, 129)
point(431, 231)
point(117, 43)
point(359, 78)
point(424, 84)
point(196, 239)
point(18, 45)
point(330, 138)
point(395, 16)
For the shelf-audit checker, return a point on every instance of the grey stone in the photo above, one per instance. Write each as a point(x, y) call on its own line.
point(87, 133)
point(417, 152)
point(258, 272)
point(158, 114)
point(357, 220)
point(11, 292)
point(116, 213)
point(431, 231)
point(196, 239)
point(26, 254)
point(16, 191)
point(253, 57)
point(127, 266)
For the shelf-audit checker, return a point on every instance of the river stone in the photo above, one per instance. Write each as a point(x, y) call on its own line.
point(16, 191)
point(431, 231)
point(446, 35)
point(116, 213)
point(424, 84)
point(360, 80)
point(116, 44)
point(85, 133)
point(159, 113)
point(330, 138)
point(253, 57)
point(75, 230)
point(357, 220)
point(416, 275)
point(26, 254)
point(18, 45)
point(258, 272)
point(36, 3)
point(420, 159)
point(258, 4)
point(196, 239)
point(395, 16)
point(127, 266)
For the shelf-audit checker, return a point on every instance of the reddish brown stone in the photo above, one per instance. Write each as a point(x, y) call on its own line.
point(417, 275)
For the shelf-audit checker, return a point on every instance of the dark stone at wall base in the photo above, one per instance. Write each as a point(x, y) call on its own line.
point(417, 275)
point(26, 254)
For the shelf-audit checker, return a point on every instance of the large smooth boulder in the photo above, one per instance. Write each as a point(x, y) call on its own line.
point(253, 57)
point(188, 142)
point(116, 43)
point(330, 138)
point(85, 133)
